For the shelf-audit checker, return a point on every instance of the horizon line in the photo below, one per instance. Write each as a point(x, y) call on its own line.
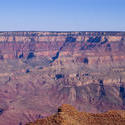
point(61, 31)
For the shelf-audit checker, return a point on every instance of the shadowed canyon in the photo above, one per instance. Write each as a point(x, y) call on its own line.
point(40, 71)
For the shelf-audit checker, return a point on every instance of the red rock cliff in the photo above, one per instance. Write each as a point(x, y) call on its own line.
point(98, 47)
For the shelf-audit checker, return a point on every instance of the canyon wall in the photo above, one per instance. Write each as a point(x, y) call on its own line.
point(97, 47)
point(43, 70)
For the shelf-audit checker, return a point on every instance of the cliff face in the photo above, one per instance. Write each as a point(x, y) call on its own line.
point(42, 70)
point(96, 46)
point(68, 115)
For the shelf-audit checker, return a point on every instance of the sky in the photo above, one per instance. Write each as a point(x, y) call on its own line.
point(62, 15)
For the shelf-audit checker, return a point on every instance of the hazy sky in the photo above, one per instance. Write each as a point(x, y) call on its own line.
point(62, 15)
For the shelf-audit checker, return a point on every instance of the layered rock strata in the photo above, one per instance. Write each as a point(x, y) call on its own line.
point(40, 71)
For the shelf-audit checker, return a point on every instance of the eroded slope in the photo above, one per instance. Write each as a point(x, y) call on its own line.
point(40, 71)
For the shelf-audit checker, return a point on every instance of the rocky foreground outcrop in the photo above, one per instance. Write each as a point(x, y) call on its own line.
point(39, 71)
point(68, 115)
